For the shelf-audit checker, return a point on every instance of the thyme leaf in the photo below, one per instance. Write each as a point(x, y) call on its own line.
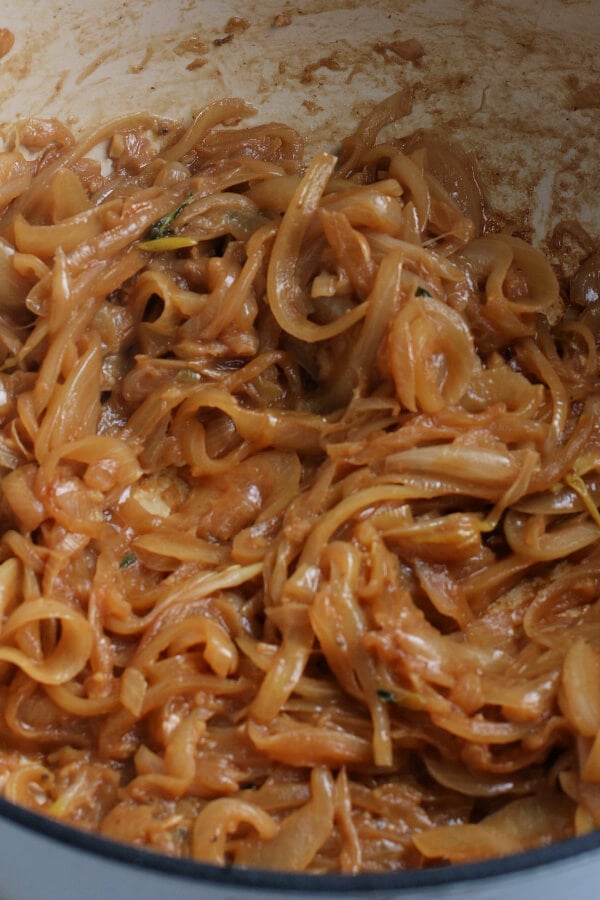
point(128, 560)
point(162, 228)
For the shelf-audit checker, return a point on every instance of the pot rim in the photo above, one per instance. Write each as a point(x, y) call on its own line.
point(273, 880)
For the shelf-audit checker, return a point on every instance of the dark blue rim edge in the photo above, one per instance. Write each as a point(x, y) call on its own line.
point(267, 881)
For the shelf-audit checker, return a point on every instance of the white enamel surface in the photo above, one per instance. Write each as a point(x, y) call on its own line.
point(502, 76)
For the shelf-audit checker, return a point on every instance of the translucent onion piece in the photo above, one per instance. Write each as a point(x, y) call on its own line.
point(222, 818)
point(44, 240)
point(585, 284)
point(301, 834)
point(580, 698)
point(71, 652)
point(530, 536)
point(432, 354)
point(286, 296)
point(462, 843)
point(454, 169)
point(473, 784)
point(518, 826)
point(14, 286)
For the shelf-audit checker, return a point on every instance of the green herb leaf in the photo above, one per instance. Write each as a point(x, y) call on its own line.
point(386, 696)
point(128, 560)
point(402, 697)
point(162, 228)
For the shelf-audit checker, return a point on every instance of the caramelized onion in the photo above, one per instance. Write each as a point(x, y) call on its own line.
point(14, 287)
point(585, 284)
point(299, 501)
point(454, 170)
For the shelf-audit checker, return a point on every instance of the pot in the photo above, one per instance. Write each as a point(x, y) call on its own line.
point(516, 83)
point(42, 858)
